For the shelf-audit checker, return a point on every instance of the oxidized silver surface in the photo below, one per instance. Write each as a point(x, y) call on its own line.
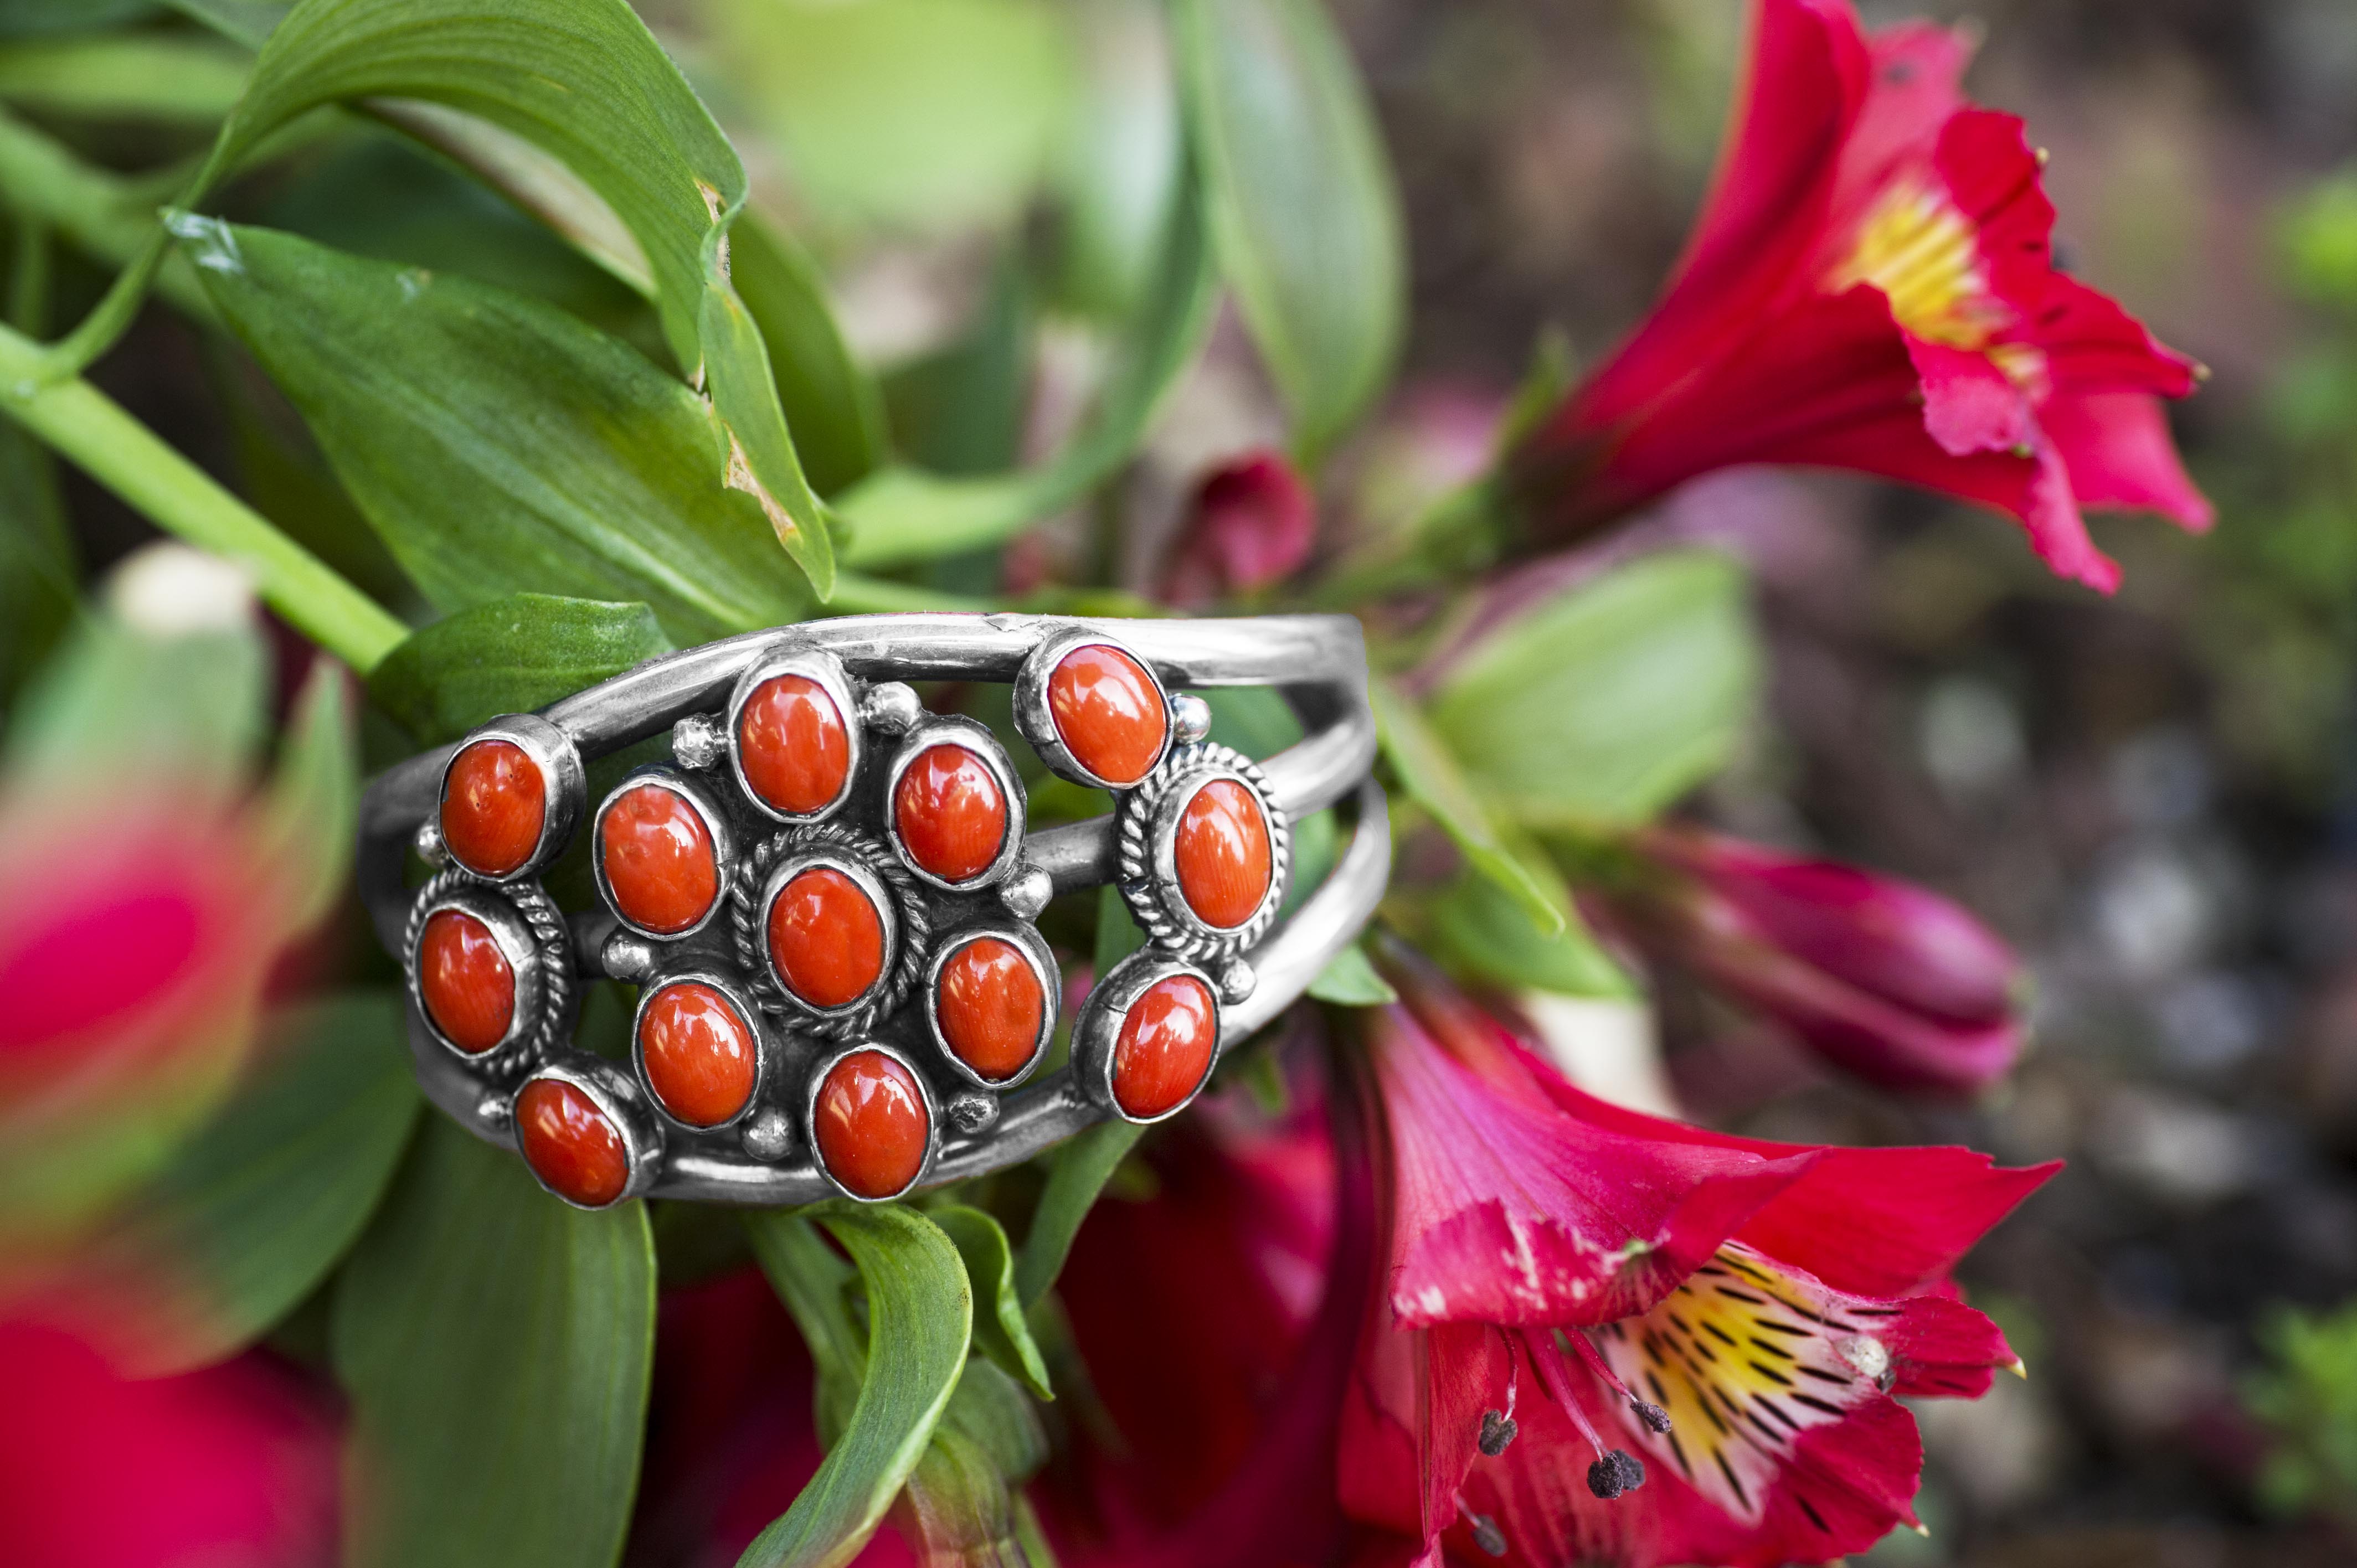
point(764, 1154)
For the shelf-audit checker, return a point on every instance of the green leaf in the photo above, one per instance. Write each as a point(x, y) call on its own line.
point(250, 1216)
point(312, 809)
point(247, 21)
point(1476, 927)
point(1077, 1173)
point(499, 444)
point(1303, 204)
point(1349, 981)
point(118, 703)
point(832, 402)
point(37, 568)
point(1432, 778)
point(927, 116)
point(156, 76)
point(495, 1345)
point(901, 514)
point(514, 655)
point(918, 1313)
point(584, 82)
point(959, 1505)
point(1611, 702)
point(1118, 159)
point(1000, 1331)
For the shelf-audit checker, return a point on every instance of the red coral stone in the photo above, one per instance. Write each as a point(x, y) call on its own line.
point(1165, 1046)
point(1222, 853)
point(870, 1125)
point(570, 1144)
point(494, 803)
point(466, 982)
point(826, 938)
point(792, 743)
point(658, 858)
point(991, 1005)
point(699, 1054)
point(1109, 714)
point(950, 813)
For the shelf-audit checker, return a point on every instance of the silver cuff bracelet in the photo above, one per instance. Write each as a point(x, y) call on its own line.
point(827, 899)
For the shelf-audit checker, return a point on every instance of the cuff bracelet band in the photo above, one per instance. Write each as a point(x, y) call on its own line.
point(826, 896)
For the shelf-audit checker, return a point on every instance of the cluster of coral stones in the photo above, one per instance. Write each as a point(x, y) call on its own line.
point(792, 960)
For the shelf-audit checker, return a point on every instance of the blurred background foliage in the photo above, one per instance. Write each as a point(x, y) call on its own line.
point(2154, 796)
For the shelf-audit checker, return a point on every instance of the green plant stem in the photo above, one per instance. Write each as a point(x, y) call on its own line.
point(105, 216)
point(93, 431)
point(857, 594)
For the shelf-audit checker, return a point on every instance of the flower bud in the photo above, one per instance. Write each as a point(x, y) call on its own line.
point(1885, 980)
point(1252, 524)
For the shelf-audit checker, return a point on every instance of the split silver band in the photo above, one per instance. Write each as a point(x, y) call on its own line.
point(768, 1152)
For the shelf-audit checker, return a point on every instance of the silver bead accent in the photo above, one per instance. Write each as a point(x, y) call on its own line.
point(429, 846)
point(972, 1111)
point(1026, 893)
point(1194, 716)
point(1236, 981)
point(496, 1111)
point(627, 957)
point(892, 707)
point(768, 1134)
point(698, 741)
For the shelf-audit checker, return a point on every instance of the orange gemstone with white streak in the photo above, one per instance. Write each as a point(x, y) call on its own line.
point(1224, 855)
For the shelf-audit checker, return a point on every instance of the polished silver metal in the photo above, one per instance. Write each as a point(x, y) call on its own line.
point(976, 740)
point(1096, 1032)
point(765, 1053)
point(1317, 662)
point(924, 1090)
point(824, 671)
point(697, 742)
point(617, 1097)
point(1044, 969)
point(563, 781)
point(655, 776)
point(1035, 717)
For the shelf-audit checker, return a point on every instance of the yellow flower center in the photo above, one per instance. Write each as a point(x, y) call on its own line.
point(1745, 1357)
point(1923, 253)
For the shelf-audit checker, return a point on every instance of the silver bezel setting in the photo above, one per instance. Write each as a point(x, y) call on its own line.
point(764, 1053)
point(530, 934)
point(615, 1095)
point(924, 1091)
point(976, 738)
point(826, 671)
point(1098, 1029)
point(715, 827)
point(564, 787)
point(1147, 833)
point(1042, 961)
point(1035, 717)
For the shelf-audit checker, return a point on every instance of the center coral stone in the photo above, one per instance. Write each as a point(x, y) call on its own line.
point(1222, 853)
point(826, 938)
point(570, 1144)
point(466, 982)
point(658, 858)
point(870, 1126)
point(991, 1006)
point(949, 812)
point(1109, 712)
point(698, 1053)
point(792, 743)
point(493, 805)
point(1163, 1050)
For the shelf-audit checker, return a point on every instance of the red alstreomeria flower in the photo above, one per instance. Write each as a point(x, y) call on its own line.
point(1871, 286)
point(1609, 1338)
